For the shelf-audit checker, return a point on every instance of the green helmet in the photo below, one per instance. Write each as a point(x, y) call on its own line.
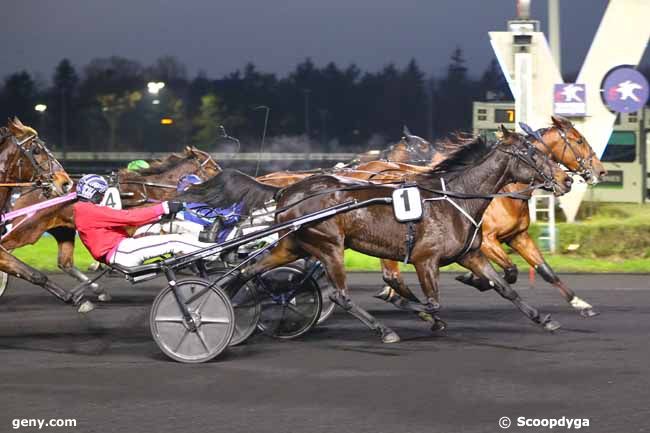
point(138, 164)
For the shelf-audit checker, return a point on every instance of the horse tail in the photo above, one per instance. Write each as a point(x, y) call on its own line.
point(228, 187)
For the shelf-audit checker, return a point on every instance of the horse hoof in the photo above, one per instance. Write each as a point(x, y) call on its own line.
point(552, 325)
point(465, 278)
point(439, 325)
point(589, 312)
point(86, 307)
point(386, 294)
point(104, 297)
point(390, 337)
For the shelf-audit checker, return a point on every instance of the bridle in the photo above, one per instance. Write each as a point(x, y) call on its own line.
point(43, 172)
point(202, 165)
point(526, 156)
point(115, 180)
point(585, 164)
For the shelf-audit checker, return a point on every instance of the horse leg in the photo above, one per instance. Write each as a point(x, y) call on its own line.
point(65, 239)
point(493, 250)
point(393, 278)
point(331, 256)
point(526, 247)
point(428, 272)
point(17, 268)
point(397, 292)
point(476, 262)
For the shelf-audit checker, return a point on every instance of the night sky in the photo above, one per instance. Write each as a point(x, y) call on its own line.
point(220, 36)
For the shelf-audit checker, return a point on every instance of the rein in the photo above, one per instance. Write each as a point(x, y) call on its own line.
point(23, 184)
point(29, 211)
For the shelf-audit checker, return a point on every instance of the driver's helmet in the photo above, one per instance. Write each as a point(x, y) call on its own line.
point(138, 164)
point(91, 187)
point(187, 181)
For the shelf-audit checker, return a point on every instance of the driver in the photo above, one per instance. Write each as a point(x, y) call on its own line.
point(103, 230)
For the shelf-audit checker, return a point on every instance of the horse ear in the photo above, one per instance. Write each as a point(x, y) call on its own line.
point(561, 122)
point(14, 125)
point(406, 131)
point(505, 132)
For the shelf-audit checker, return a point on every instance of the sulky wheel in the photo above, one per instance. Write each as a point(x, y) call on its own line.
point(211, 312)
point(247, 310)
point(326, 290)
point(4, 279)
point(323, 282)
point(290, 303)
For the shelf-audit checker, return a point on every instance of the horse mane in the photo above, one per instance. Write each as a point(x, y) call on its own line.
point(228, 187)
point(461, 151)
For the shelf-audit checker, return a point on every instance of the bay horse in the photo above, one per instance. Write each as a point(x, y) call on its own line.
point(443, 235)
point(26, 161)
point(406, 154)
point(153, 184)
point(507, 220)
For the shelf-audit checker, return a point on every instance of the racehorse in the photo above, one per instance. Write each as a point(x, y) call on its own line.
point(507, 219)
point(403, 155)
point(447, 232)
point(26, 161)
point(156, 183)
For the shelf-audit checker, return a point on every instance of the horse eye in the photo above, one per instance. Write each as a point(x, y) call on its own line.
point(36, 151)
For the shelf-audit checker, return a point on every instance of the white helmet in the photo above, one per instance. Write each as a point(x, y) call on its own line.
point(92, 187)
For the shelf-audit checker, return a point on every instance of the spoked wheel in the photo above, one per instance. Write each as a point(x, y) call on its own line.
point(290, 303)
point(4, 280)
point(245, 303)
point(211, 312)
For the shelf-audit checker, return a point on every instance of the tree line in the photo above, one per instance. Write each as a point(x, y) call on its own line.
point(107, 106)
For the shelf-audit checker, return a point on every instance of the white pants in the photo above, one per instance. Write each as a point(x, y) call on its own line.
point(134, 251)
point(176, 226)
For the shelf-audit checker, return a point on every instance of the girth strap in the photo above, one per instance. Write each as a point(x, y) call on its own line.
point(410, 240)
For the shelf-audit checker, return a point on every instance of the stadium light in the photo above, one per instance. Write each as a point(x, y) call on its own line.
point(155, 86)
point(40, 108)
point(166, 121)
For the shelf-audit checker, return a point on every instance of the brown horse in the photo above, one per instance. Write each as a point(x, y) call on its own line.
point(156, 183)
point(25, 159)
point(508, 220)
point(401, 156)
point(445, 233)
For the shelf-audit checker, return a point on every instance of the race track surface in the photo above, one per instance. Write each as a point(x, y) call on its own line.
point(106, 371)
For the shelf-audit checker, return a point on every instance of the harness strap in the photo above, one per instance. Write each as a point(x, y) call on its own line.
point(410, 240)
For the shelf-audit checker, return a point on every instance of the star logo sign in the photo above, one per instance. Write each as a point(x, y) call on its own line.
point(570, 93)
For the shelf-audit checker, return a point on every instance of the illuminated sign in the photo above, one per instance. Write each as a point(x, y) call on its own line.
point(166, 121)
point(504, 116)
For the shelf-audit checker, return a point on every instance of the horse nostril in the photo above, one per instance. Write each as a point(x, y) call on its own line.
point(602, 173)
